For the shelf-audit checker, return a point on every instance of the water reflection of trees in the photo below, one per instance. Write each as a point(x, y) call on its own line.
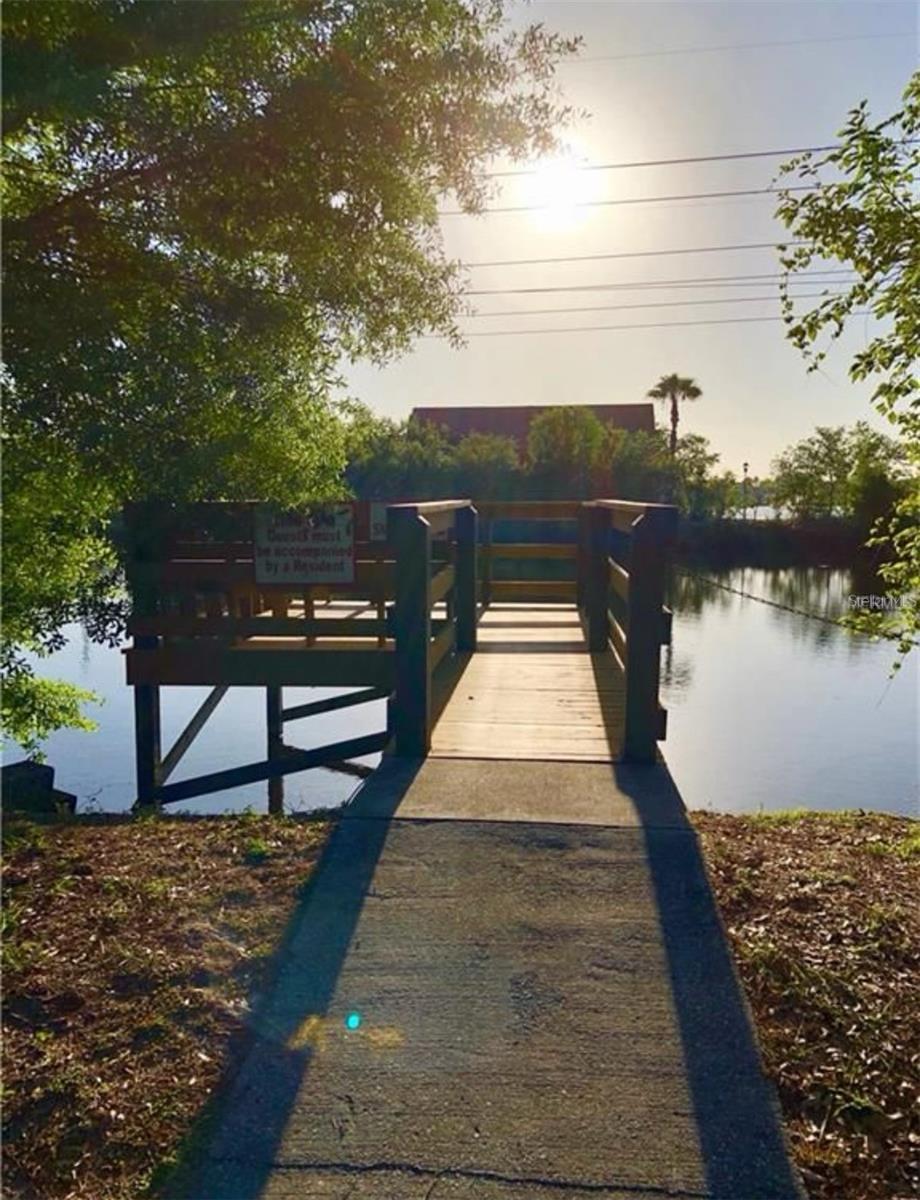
point(816, 590)
point(676, 669)
point(689, 593)
point(820, 591)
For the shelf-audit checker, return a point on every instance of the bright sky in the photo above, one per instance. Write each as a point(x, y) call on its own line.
point(652, 92)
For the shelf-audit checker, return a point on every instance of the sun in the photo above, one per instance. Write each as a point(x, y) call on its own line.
point(560, 188)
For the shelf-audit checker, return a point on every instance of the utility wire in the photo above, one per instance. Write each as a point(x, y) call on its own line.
point(679, 162)
point(670, 162)
point(519, 208)
point(519, 262)
point(858, 37)
point(700, 281)
point(647, 325)
point(533, 312)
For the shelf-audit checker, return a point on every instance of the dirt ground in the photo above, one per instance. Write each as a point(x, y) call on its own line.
point(133, 952)
point(823, 913)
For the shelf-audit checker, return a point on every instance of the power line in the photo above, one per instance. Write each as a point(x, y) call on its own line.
point(672, 162)
point(534, 312)
point(516, 262)
point(859, 37)
point(647, 325)
point(699, 281)
point(679, 162)
point(519, 208)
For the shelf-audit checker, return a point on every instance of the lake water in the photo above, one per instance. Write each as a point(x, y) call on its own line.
point(767, 709)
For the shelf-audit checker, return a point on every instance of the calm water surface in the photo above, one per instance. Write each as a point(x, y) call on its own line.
point(767, 710)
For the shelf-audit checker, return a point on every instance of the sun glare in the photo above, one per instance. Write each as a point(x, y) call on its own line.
point(558, 187)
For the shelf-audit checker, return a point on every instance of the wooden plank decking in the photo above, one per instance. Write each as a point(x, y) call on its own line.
point(532, 691)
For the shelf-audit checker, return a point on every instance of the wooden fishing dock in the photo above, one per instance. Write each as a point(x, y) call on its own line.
point(541, 647)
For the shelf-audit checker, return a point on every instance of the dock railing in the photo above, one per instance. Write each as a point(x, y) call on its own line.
point(422, 536)
point(200, 618)
point(623, 551)
point(528, 516)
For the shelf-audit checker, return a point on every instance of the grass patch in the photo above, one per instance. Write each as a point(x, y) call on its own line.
point(256, 850)
point(906, 847)
point(132, 949)
point(809, 816)
point(823, 913)
point(782, 816)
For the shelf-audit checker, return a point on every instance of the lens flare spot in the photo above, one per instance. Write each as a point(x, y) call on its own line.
point(310, 1032)
point(386, 1038)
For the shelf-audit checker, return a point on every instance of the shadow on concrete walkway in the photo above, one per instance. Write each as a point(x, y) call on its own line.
point(548, 1004)
point(321, 930)
point(737, 1115)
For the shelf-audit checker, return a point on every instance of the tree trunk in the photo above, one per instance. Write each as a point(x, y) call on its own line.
point(675, 417)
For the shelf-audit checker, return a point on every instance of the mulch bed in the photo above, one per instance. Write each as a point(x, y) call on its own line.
point(823, 913)
point(133, 952)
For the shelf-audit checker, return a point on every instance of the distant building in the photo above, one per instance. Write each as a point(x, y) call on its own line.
point(513, 420)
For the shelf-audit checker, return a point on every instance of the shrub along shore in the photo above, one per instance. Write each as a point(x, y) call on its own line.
point(136, 949)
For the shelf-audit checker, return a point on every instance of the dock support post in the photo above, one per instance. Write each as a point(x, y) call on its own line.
point(147, 747)
point(466, 603)
point(597, 531)
point(410, 535)
point(274, 723)
point(486, 572)
point(581, 557)
point(651, 534)
point(143, 534)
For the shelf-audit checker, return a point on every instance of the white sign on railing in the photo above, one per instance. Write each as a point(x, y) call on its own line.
point(377, 521)
point(310, 547)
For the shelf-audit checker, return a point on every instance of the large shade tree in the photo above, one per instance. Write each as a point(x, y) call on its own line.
point(486, 466)
point(565, 448)
point(674, 390)
point(863, 210)
point(206, 207)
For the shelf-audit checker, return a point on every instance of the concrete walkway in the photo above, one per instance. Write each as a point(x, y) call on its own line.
point(547, 1006)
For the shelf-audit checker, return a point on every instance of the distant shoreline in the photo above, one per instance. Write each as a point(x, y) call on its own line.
point(833, 542)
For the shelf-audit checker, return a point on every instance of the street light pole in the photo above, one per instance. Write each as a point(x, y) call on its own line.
point(744, 491)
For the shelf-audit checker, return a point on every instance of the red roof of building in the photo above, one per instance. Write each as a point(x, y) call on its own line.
point(513, 420)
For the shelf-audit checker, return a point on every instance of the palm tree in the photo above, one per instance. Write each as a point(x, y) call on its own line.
point(674, 388)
